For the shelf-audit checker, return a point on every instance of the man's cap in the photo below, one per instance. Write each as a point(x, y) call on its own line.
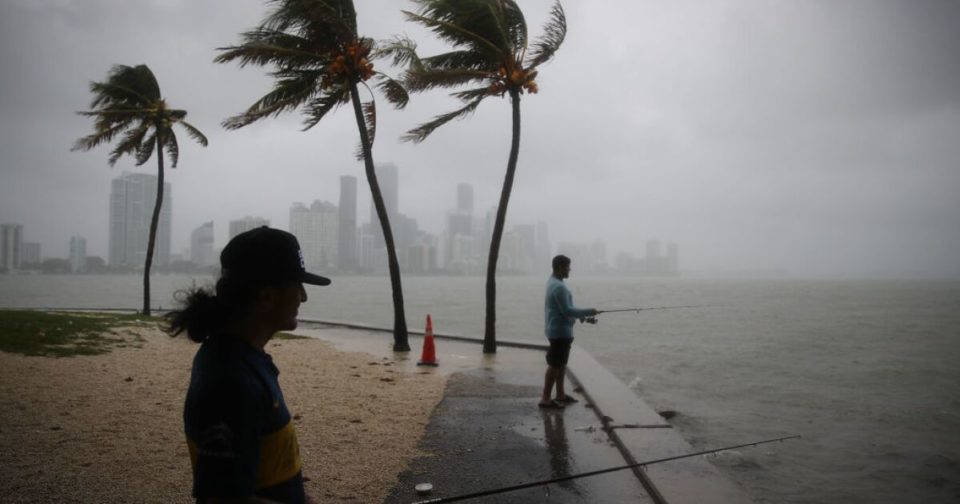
point(268, 255)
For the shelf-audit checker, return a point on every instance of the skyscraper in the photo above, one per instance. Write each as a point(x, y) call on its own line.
point(316, 229)
point(673, 259)
point(78, 254)
point(246, 224)
point(544, 248)
point(388, 178)
point(132, 198)
point(465, 198)
point(11, 236)
point(29, 253)
point(457, 250)
point(201, 245)
point(347, 224)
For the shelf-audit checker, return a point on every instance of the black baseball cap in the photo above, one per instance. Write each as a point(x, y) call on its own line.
point(268, 255)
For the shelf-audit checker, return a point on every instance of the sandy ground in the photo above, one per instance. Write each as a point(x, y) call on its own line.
point(108, 428)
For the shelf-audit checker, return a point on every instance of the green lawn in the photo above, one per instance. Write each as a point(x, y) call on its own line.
point(60, 334)
point(56, 334)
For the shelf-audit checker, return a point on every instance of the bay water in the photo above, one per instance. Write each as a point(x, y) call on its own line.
point(867, 372)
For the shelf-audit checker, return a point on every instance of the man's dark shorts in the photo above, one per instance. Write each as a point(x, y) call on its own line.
point(559, 352)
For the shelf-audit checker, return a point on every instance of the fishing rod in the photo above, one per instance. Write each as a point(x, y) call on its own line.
point(593, 319)
point(648, 308)
point(594, 473)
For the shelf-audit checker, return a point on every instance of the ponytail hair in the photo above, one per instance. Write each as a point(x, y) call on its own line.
point(204, 313)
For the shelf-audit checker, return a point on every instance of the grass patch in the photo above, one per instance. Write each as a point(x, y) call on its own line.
point(54, 334)
point(288, 336)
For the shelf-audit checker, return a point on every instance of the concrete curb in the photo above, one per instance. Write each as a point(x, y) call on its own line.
point(641, 434)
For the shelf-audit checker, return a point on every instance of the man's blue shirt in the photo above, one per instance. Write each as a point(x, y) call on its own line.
point(559, 312)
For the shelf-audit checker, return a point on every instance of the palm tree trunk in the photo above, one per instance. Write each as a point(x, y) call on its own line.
point(154, 220)
point(400, 343)
point(490, 328)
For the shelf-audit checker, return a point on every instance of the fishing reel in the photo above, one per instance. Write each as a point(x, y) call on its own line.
point(589, 320)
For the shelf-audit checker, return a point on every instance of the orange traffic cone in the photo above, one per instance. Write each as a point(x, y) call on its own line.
point(429, 355)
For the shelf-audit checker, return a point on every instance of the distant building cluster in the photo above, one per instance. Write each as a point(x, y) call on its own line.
point(654, 263)
point(332, 238)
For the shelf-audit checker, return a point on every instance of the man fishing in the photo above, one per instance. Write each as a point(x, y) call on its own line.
point(559, 317)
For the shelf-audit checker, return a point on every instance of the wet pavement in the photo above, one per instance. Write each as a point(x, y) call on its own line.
point(488, 432)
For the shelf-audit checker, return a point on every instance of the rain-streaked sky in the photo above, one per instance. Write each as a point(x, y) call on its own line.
point(813, 137)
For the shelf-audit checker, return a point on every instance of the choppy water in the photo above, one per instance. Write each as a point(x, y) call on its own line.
point(867, 372)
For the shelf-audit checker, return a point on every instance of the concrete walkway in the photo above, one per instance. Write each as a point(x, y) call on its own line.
point(487, 432)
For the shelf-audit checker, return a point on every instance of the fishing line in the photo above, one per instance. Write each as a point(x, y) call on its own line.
point(594, 473)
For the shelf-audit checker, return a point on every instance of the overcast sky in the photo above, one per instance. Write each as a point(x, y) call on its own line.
point(816, 137)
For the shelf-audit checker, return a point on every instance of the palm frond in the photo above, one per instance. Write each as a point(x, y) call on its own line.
point(472, 94)
point(459, 59)
point(145, 148)
point(126, 85)
point(100, 136)
point(511, 26)
point(264, 47)
point(424, 79)
point(420, 133)
point(193, 132)
point(129, 103)
point(288, 93)
point(172, 146)
point(319, 107)
point(392, 90)
point(130, 144)
point(334, 20)
point(370, 120)
point(460, 36)
point(401, 50)
point(554, 32)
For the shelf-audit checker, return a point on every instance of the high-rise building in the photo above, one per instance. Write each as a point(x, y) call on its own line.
point(10, 243)
point(132, 198)
point(544, 248)
point(347, 224)
point(29, 253)
point(673, 259)
point(465, 198)
point(459, 244)
point(388, 179)
point(246, 224)
point(78, 254)
point(511, 252)
point(201, 245)
point(527, 234)
point(316, 229)
point(598, 256)
point(365, 248)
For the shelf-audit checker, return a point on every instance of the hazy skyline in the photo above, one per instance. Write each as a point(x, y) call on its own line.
point(817, 137)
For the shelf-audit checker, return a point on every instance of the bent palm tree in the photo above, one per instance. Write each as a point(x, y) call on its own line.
point(129, 103)
point(490, 51)
point(319, 62)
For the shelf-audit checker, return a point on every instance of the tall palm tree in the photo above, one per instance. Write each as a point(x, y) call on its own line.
point(319, 62)
point(129, 103)
point(490, 51)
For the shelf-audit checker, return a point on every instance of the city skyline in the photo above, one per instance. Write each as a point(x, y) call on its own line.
point(459, 247)
point(812, 138)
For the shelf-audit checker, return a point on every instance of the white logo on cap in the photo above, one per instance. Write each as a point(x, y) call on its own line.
point(300, 254)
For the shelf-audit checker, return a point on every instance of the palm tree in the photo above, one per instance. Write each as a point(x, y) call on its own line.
point(129, 103)
point(319, 60)
point(490, 50)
